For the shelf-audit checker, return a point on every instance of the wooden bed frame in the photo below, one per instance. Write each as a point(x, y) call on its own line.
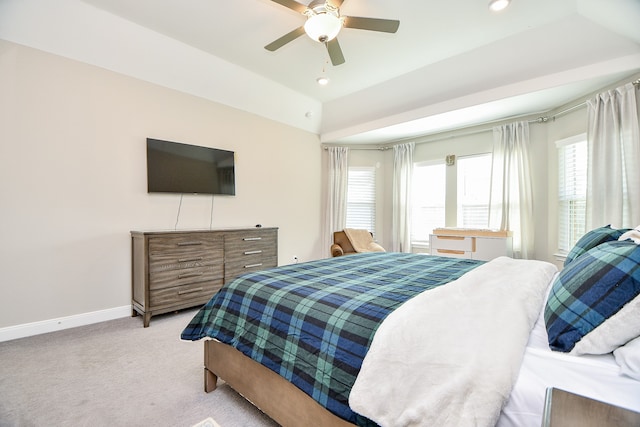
point(272, 394)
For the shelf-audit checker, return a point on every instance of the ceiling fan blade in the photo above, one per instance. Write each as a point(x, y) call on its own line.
point(335, 52)
point(277, 44)
point(336, 3)
point(293, 5)
point(371, 24)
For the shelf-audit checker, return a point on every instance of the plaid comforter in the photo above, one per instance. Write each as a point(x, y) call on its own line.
point(313, 322)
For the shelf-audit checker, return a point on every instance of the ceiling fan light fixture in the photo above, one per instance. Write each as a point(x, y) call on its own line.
point(323, 27)
point(498, 5)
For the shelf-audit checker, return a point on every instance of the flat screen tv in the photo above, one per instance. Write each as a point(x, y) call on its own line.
point(174, 167)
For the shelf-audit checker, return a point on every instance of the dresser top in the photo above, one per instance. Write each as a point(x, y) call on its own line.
point(204, 230)
point(474, 232)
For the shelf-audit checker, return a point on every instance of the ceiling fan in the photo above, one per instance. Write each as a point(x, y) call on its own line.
point(324, 23)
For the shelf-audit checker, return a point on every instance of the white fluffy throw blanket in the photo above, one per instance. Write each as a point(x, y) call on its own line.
point(450, 356)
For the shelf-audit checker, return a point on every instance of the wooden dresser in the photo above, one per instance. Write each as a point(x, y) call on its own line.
point(172, 270)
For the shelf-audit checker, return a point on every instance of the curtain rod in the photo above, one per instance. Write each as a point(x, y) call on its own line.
point(540, 119)
point(326, 147)
point(583, 103)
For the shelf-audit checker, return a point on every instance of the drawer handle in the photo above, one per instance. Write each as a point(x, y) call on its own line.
point(252, 252)
point(450, 237)
point(189, 291)
point(253, 265)
point(189, 243)
point(450, 251)
point(183, 276)
point(190, 259)
point(251, 238)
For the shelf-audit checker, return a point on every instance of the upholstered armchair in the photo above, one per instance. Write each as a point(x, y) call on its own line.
point(341, 245)
point(351, 241)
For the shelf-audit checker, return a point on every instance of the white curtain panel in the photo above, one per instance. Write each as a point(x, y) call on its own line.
point(336, 216)
point(511, 200)
point(401, 214)
point(613, 172)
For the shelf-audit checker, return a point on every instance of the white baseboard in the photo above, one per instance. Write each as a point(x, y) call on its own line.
point(52, 325)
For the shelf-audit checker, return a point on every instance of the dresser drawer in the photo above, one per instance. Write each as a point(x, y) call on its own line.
point(453, 243)
point(184, 249)
point(248, 264)
point(185, 276)
point(184, 261)
point(187, 295)
point(451, 253)
point(250, 254)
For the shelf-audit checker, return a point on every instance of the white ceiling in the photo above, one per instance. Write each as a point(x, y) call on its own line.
point(451, 63)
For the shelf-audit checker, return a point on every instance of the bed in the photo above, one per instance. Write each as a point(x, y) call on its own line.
point(385, 339)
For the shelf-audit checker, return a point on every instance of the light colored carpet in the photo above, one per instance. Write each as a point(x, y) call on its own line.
point(115, 373)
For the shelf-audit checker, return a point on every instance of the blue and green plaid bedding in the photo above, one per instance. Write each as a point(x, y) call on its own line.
point(590, 290)
point(313, 322)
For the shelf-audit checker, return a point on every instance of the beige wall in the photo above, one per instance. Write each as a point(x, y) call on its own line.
point(73, 180)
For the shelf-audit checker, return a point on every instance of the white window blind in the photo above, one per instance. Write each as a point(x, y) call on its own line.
point(572, 190)
point(474, 185)
point(361, 198)
point(428, 200)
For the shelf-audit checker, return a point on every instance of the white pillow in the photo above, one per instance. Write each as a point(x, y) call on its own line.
point(632, 235)
point(628, 357)
point(614, 332)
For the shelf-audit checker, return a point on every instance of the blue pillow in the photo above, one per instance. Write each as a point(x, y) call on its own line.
point(591, 289)
point(592, 239)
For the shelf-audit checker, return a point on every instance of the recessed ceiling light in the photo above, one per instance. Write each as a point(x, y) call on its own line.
point(323, 81)
point(498, 5)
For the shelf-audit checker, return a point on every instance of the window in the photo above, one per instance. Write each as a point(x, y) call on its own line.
point(474, 186)
point(361, 198)
point(428, 200)
point(429, 195)
point(572, 190)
